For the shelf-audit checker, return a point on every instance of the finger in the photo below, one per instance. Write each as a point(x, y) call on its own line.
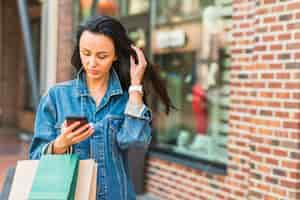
point(83, 136)
point(70, 128)
point(79, 131)
point(132, 62)
point(141, 56)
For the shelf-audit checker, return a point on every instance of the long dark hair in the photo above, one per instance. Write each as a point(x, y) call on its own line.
point(112, 28)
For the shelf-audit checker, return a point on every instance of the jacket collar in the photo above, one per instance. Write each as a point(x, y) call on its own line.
point(114, 85)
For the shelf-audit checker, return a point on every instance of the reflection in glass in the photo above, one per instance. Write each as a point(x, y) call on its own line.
point(198, 83)
point(137, 6)
point(170, 11)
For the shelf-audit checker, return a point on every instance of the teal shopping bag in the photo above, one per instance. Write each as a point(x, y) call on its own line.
point(55, 178)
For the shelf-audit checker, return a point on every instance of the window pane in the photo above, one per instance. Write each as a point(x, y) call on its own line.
point(169, 11)
point(198, 84)
point(94, 7)
point(137, 6)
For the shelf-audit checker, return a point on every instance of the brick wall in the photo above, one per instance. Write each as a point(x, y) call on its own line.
point(263, 141)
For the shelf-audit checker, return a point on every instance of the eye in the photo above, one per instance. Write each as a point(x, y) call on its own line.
point(102, 56)
point(85, 53)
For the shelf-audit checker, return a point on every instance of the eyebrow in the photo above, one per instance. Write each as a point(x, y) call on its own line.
point(99, 52)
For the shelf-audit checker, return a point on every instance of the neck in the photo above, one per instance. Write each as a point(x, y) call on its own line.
point(97, 84)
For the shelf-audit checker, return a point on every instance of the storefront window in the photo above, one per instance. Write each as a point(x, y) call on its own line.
point(134, 7)
point(198, 84)
point(103, 7)
point(171, 11)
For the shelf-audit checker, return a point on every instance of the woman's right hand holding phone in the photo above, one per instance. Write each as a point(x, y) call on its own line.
point(70, 135)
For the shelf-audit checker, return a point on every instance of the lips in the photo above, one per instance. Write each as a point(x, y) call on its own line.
point(93, 72)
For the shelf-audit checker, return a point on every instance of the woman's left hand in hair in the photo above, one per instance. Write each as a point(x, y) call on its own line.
point(137, 70)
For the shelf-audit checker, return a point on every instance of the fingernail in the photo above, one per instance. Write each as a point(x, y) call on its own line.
point(92, 125)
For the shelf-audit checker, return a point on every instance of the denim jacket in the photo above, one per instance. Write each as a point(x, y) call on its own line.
point(117, 127)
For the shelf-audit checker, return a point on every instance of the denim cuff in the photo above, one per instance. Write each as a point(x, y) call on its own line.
point(138, 111)
point(48, 149)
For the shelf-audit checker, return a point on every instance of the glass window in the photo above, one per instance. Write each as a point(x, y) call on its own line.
point(134, 7)
point(137, 6)
point(103, 7)
point(170, 11)
point(198, 84)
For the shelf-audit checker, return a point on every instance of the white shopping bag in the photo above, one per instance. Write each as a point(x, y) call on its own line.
point(25, 171)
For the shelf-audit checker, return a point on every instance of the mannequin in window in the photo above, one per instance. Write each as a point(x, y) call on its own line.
point(206, 74)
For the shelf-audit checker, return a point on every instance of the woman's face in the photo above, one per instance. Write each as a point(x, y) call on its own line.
point(97, 53)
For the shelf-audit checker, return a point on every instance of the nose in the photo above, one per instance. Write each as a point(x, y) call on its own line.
point(91, 62)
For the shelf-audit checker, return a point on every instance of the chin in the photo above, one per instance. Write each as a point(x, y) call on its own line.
point(94, 76)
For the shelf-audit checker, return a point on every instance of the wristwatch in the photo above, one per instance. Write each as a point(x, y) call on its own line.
point(138, 88)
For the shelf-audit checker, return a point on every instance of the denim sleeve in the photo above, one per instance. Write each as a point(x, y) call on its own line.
point(136, 128)
point(44, 131)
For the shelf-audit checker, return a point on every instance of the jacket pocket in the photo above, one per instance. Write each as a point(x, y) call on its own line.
point(115, 122)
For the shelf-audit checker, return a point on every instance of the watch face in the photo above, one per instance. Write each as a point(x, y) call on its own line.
point(138, 88)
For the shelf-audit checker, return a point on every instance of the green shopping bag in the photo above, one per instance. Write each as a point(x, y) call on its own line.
point(55, 178)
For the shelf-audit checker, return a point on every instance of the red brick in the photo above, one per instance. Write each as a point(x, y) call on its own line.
point(293, 46)
point(279, 191)
point(269, 1)
point(285, 36)
point(283, 95)
point(275, 85)
point(292, 105)
point(281, 153)
point(297, 35)
point(276, 47)
point(293, 26)
point(283, 75)
point(266, 94)
point(265, 150)
point(265, 131)
point(272, 161)
point(268, 38)
point(294, 175)
point(261, 11)
point(277, 8)
point(267, 76)
point(282, 114)
point(260, 48)
point(293, 6)
point(289, 184)
point(268, 57)
point(275, 28)
point(294, 125)
point(271, 19)
point(276, 66)
point(292, 85)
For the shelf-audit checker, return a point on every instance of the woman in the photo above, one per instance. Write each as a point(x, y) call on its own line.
point(108, 91)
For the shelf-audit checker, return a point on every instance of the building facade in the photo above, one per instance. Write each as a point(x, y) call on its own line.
point(263, 137)
point(232, 70)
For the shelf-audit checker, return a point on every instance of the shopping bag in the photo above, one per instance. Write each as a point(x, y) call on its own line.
point(87, 180)
point(25, 173)
point(55, 178)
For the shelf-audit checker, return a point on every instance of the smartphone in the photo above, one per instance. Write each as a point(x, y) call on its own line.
point(71, 119)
